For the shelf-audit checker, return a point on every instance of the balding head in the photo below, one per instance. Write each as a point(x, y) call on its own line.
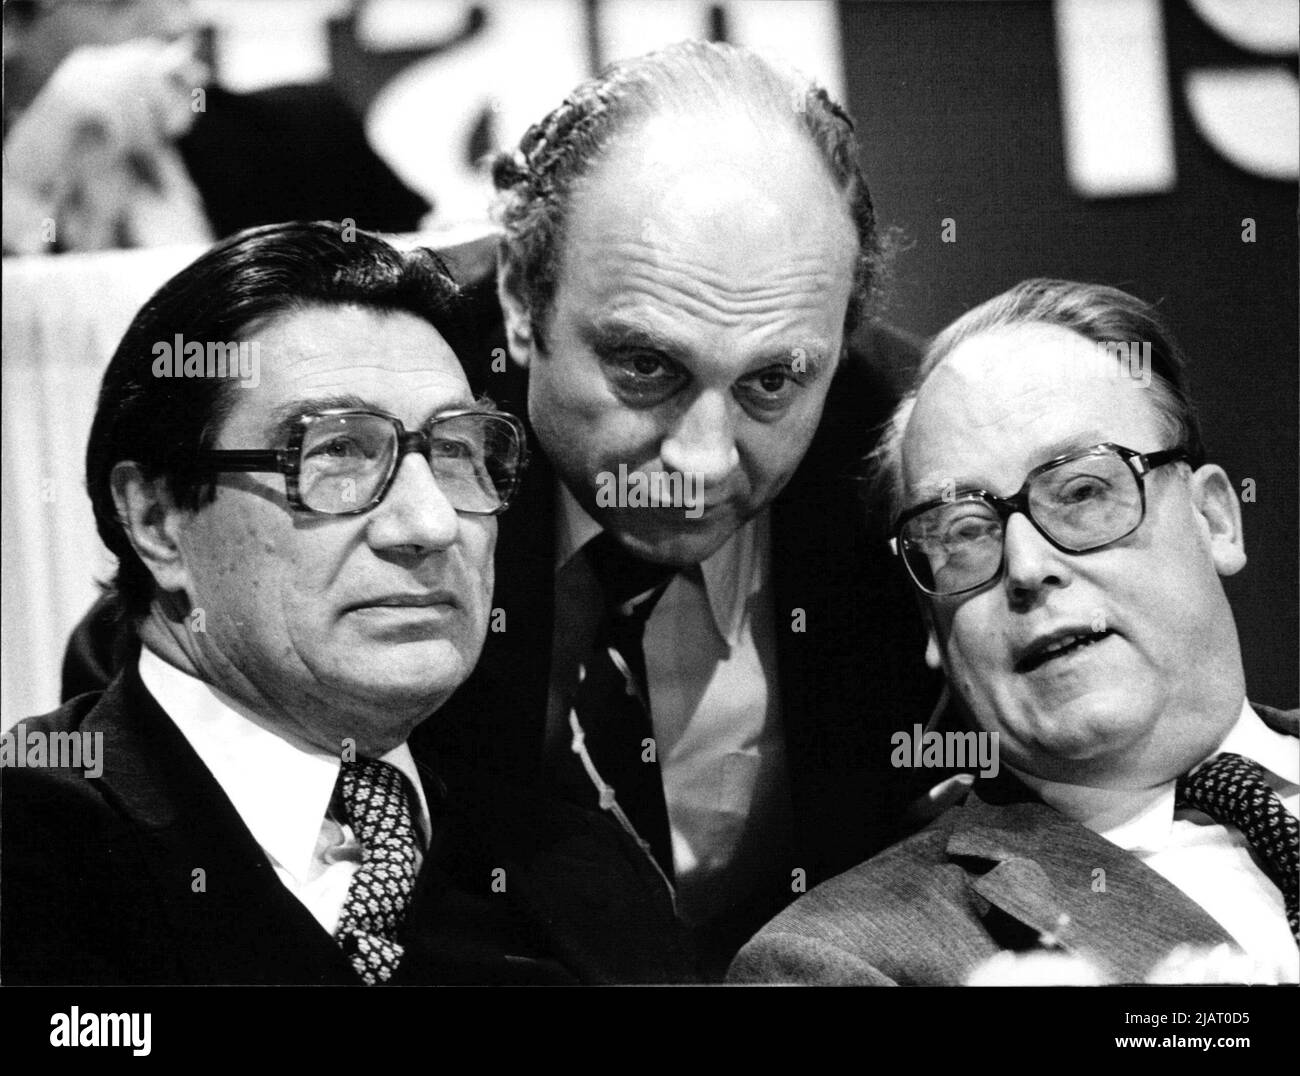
point(1068, 541)
point(728, 95)
point(686, 239)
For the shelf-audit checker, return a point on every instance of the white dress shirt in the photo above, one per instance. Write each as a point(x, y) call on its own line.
point(1209, 862)
point(710, 651)
point(280, 788)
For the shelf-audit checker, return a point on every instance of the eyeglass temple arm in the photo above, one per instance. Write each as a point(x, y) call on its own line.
point(244, 459)
point(1152, 460)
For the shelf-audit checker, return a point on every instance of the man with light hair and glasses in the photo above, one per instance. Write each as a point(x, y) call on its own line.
point(1067, 542)
point(306, 555)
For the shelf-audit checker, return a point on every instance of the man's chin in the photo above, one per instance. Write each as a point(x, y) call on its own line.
point(672, 537)
point(1089, 736)
point(402, 689)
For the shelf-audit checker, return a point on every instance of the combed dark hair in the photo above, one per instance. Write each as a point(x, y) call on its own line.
point(535, 180)
point(160, 423)
point(1096, 312)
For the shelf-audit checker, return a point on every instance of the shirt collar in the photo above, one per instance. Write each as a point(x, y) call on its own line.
point(732, 575)
point(1251, 738)
point(1141, 819)
point(281, 789)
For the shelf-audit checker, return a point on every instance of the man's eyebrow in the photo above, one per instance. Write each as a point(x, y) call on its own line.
point(611, 336)
point(1074, 443)
point(284, 417)
point(935, 488)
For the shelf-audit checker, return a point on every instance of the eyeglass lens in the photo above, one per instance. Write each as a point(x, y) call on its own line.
point(346, 459)
point(1081, 504)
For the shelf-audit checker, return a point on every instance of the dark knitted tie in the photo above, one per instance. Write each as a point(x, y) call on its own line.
point(1232, 791)
point(375, 797)
point(612, 701)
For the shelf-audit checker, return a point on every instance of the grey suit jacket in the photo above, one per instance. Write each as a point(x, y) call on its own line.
point(996, 873)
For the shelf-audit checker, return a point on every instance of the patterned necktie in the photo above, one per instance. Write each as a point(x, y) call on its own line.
point(375, 798)
point(612, 701)
point(1231, 790)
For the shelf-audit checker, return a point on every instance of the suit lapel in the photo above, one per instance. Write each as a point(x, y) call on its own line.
point(850, 648)
point(234, 922)
point(1284, 721)
point(1062, 881)
point(521, 887)
point(468, 920)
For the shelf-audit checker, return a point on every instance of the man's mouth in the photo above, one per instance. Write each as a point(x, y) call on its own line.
point(1056, 645)
point(418, 600)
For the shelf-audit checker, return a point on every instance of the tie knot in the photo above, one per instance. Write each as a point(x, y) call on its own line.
point(622, 575)
point(1223, 780)
point(374, 796)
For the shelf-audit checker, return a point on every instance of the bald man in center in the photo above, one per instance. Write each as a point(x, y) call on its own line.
point(693, 630)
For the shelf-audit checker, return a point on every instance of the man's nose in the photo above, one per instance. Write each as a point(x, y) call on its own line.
point(702, 441)
point(1033, 564)
point(415, 514)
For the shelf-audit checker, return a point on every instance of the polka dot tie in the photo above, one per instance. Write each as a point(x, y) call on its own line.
point(375, 797)
point(1232, 791)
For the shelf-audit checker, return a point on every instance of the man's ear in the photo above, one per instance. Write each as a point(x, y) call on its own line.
point(152, 524)
point(1215, 501)
point(518, 319)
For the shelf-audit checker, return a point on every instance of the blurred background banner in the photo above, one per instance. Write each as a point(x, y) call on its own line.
point(441, 82)
point(63, 317)
point(1149, 144)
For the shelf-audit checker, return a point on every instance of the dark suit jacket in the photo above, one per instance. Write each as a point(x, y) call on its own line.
point(993, 874)
point(98, 882)
point(851, 677)
point(848, 680)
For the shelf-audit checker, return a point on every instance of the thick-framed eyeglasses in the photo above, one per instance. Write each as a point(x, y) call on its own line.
point(1079, 502)
point(342, 462)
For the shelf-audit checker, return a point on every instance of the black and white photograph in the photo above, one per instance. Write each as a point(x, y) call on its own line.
point(690, 499)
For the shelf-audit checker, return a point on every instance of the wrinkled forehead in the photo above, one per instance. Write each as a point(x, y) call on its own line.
point(323, 357)
point(1004, 401)
point(729, 251)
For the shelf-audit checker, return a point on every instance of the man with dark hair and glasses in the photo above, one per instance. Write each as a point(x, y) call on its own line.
point(1055, 515)
point(684, 299)
point(305, 539)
